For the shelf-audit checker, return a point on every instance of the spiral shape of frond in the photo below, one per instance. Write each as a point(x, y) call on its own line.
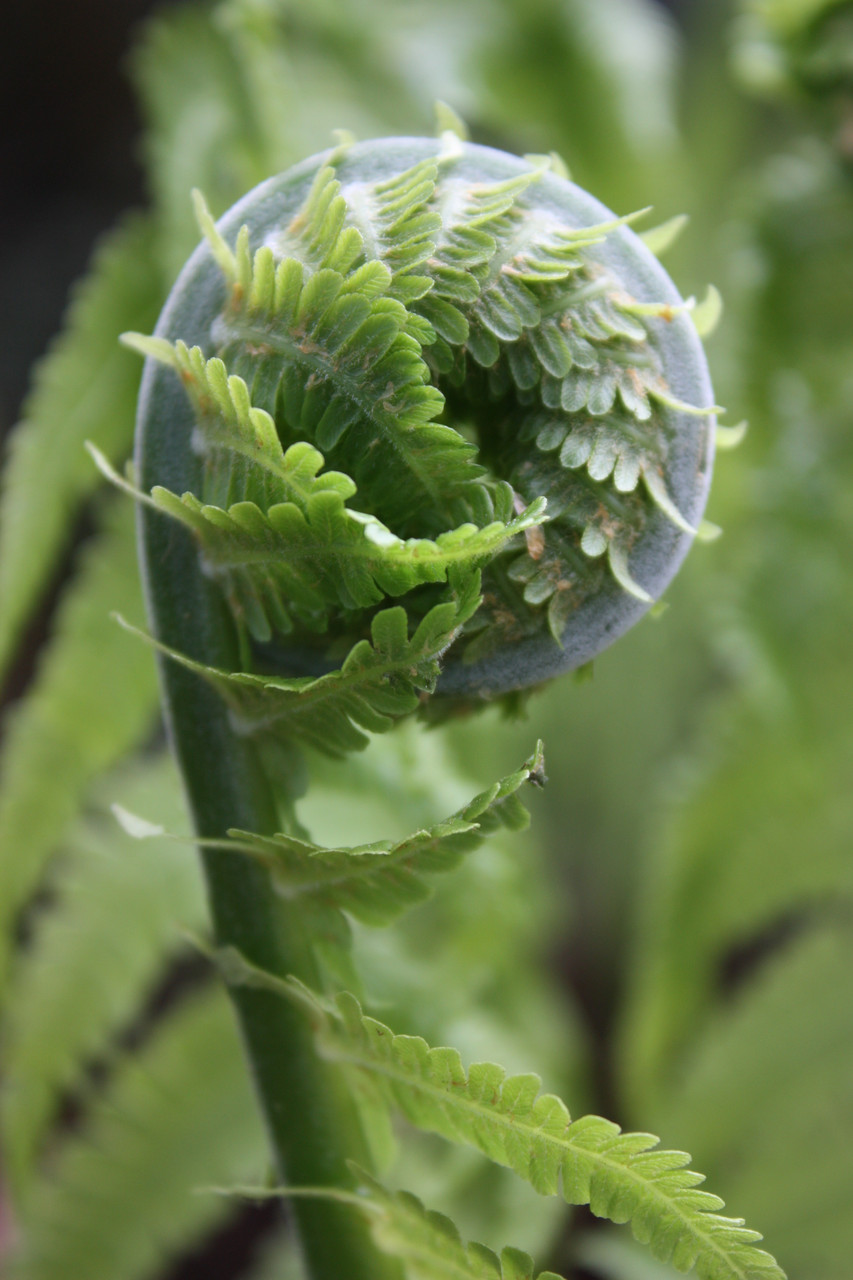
point(417, 373)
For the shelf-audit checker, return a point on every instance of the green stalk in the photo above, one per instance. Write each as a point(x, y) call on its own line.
point(312, 1123)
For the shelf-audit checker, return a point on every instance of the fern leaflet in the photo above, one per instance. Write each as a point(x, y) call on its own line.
point(429, 1244)
point(334, 353)
point(618, 445)
point(327, 556)
point(302, 551)
point(316, 233)
point(621, 1176)
point(377, 684)
point(377, 882)
point(426, 1242)
point(398, 226)
point(243, 456)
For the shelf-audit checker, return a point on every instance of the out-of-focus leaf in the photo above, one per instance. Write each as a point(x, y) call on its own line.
point(201, 132)
point(123, 1195)
point(114, 921)
point(241, 92)
point(93, 699)
point(738, 860)
point(592, 80)
point(85, 389)
point(771, 1073)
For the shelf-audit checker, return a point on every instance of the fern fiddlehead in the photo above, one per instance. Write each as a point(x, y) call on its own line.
point(415, 352)
point(422, 418)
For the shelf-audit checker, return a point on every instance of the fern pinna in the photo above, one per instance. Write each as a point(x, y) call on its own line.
point(421, 423)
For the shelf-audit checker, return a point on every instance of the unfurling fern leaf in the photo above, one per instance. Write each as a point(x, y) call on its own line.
point(379, 681)
point(621, 1176)
point(308, 553)
point(476, 351)
point(428, 373)
point(375, 883)
point(426, 1242)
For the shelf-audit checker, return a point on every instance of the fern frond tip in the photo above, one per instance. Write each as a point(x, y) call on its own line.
point(149, 345)
point(730, 437)
point(706, 314)
point(660, 238)
point(109, 473)
point(224, 256)
point(449, 121)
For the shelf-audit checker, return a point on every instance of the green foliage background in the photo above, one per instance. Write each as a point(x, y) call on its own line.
point(671, 943)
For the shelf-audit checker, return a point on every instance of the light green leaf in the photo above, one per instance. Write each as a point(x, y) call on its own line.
point(621, 1176)
point(113, 922)
point(658, 239)
point(772, 1072)
point(378, 682)
point(376, 883)
point(84, 389)
point(123, 1196)
point(427, 1243)
point(729, 437)
point(449, 121)
point(706, 314)
point(94, 697)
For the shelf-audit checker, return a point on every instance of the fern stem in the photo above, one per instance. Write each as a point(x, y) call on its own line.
point(324, 360)
point(311, 1122)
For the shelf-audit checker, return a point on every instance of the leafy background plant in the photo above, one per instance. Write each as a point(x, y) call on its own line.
point(670, 943)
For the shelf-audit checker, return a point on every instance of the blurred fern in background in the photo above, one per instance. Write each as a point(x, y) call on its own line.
point(671, 944)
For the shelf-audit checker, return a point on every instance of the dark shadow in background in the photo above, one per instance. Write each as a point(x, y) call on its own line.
point(67, 162)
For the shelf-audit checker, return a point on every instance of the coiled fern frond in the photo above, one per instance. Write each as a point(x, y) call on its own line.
point(407, 362)
point(420, 418)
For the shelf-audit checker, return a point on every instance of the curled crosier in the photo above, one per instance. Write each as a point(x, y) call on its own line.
point(432, 421)
point(428, 374)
